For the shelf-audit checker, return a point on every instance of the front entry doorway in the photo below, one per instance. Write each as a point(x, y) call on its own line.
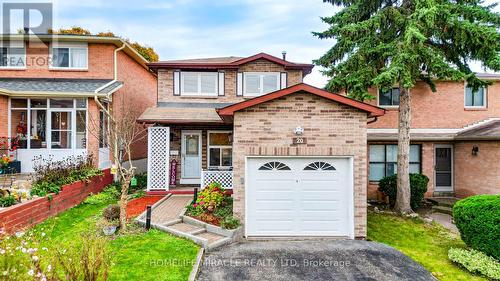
point(190, 157)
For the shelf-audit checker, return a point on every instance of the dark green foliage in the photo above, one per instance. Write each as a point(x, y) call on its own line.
point(230, 222)
point(142, 181)
point(7, 201)
point(383, 43)
point(478, 220)
point(112, 212)
point(418, 186)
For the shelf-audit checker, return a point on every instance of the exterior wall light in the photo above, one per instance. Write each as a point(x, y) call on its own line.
point(298, 131)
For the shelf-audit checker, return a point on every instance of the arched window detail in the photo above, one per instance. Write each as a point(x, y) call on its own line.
point(274, 166)
point(319, 166)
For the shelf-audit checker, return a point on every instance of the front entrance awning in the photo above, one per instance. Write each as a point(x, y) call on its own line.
point(488, 131)
point(60, 87)
point(180, 115)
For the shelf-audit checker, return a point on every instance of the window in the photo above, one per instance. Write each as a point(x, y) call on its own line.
point(220, 149)
point(319, 166)
point(389, 97)
point(199, 83)
point(49, 123)
point(12, 57)
point(274, 166)
point(260, 83)
point(475, 98)
point(384, 158)
point(71, 57)
point(103, 127)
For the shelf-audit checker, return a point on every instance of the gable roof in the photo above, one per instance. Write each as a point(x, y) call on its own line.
point(489, 130)
point(228, 63)
point(228, 111)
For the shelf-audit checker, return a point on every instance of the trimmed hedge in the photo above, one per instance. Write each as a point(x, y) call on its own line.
point(478, 220)
point(418, 186)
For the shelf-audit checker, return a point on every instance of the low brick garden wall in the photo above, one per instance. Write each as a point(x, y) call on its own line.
point(37, 210)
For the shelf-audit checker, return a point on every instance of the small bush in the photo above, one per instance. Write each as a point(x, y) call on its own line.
point(107, 195)
point(7, 201)
point(230, 222)
point(476, 262)
point(112, 212)
point(478, 220)
point(211, 197)
point(418, 187)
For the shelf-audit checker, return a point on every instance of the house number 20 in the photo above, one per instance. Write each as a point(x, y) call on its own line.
point(299, 140)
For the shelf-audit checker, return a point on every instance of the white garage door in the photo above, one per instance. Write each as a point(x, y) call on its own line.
point(299, 197)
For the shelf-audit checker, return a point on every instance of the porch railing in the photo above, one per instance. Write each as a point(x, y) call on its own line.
point(225, 178)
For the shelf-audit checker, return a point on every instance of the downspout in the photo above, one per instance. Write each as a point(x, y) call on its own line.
point(375, 118)
point(115, 78)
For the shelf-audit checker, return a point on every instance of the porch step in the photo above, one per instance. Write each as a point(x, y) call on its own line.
point(214, 240)
point(443, 201)
point(442, 209)
point(188, 228)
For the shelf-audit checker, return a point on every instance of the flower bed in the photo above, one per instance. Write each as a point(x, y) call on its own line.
point(37, 210)
point(137, 206)
point(214, 206)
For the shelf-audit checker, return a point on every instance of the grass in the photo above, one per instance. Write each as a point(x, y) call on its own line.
point(151, 255)
point(428, 244)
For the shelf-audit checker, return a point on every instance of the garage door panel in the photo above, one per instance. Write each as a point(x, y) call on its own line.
point(298, 202)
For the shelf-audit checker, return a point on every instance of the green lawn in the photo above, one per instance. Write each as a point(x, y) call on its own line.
point(151, 255)
point(427, 244)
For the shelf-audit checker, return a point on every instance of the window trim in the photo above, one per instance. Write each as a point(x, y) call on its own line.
point(261, 81)
point(48, 128)
point(220, 147)
point(199, 93)
point(385, 162)
point(485, 98)
point(68, 46)
point(385, 106)
point(8, 56)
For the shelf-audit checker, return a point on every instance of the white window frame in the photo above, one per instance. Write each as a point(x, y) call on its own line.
point(48, 128)
point(69, 46)
point(199, 93)
point(261, 80)
point(21, 46)
point(387, 106)
point(220, 147)
point(485, 99)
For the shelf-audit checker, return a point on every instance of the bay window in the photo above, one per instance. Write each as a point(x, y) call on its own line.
point(70, 56)
point(260, 83)
point(384, 159)
point(49, 123)
point(199, 83)
point(220, 149)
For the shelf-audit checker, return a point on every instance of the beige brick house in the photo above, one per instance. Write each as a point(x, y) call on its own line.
point(48, 87)
point(294, 155)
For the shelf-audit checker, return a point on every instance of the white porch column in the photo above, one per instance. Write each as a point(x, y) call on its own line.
point(158, 158)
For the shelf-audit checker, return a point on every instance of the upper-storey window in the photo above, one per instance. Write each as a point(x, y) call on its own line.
point(388, 97)
point(69, 56)
point(475, 99)
point(199, 83)
point(12, 55)
point(260, 83)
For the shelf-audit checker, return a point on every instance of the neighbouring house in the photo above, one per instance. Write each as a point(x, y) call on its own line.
point(48, 87)
point(293, 155)
point(455, 137)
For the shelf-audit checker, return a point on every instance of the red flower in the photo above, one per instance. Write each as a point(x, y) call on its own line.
point(195, 205)
point(201, 203)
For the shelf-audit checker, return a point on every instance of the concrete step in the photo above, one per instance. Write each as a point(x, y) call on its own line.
point(188, 228)
point(443, 201)
point(442, 209)
point(214, 240)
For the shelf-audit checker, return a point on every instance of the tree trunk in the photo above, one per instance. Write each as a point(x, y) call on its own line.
point(123, 204)
point(403, 193)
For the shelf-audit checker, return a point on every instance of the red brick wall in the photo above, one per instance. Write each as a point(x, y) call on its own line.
point(478, 174)
point(100, 64)
point(442, 109)
point(4, 115)
point(35, 211)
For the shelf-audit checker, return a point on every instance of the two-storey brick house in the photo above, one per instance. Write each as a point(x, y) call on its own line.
point(48, 88)
point(455, 137)
point(294, 155)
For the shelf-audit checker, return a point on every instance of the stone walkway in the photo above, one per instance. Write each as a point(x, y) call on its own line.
point(170, 208)
point(445, 220)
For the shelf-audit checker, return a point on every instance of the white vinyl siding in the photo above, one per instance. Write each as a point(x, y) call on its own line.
point(69, 56)
point(261, 83)
point(199, 84)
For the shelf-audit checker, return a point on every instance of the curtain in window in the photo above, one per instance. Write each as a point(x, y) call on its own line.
point(79, 58)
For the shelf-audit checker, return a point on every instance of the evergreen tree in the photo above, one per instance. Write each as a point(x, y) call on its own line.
point(383, 43)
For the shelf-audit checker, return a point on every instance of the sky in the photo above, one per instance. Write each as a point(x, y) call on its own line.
point(182, 29)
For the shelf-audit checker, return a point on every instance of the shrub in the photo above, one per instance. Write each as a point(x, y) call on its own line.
point(476, 262)
point(418, 187)
point(112, 212)
point(211, 197)
point(7, 201)
point(478, 220)
point(107, 195)
point(230, 222)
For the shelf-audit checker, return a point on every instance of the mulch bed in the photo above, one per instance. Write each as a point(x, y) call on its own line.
point(137, 206)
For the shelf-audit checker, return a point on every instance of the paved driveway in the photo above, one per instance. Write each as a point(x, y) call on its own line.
point(310, 260)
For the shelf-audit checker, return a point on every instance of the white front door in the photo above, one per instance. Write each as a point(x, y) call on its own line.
point(299, 197)
point(191, 157)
